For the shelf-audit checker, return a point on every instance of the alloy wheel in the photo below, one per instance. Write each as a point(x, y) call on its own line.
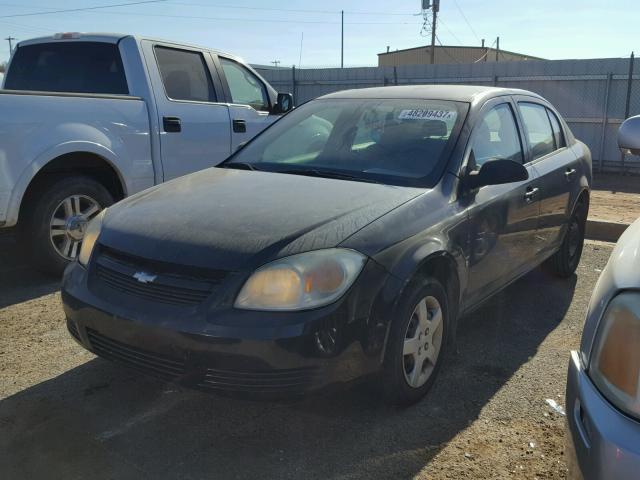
point(69, 222)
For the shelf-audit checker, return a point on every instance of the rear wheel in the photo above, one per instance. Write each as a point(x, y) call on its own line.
point(565, 261)
point(56, 220)
point(417, 342)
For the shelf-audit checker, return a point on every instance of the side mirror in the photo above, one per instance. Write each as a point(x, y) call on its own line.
point(284, 103)
point(629, 135)
point(496, 172)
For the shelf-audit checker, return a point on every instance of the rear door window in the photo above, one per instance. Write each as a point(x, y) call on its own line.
point(538, 129)
point(558, 134)
point(74, 67)
point(185, 75)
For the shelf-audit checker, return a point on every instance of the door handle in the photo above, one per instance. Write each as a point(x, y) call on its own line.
point(239, 126)
point(171, 124)
point(530, 194)
point(569, 173)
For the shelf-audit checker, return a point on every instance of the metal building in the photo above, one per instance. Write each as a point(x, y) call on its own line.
point(449, 54)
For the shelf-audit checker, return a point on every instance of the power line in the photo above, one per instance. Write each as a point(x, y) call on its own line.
point(444, 49)
point(296, 10)
point(248, 19)
point(450, 31)
point(237, 7)
point(466, 20)
point(81, 9)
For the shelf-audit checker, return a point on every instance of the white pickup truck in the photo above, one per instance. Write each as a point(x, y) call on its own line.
point(87, 119)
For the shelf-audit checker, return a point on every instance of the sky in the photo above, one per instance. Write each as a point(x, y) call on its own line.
point(307, 34)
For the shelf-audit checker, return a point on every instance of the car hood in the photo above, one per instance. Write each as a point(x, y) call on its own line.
point(234, 219)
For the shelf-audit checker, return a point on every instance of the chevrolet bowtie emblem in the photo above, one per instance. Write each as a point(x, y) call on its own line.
point(144, 277)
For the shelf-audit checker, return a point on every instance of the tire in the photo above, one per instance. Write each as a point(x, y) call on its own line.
point(399, 383)
point(565, 261)
point(46, 227)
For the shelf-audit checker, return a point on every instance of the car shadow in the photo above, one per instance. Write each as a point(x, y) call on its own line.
point(19, 282)
point(100, 420)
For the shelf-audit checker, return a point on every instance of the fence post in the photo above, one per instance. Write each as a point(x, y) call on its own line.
point(395, 75)
point(495, 80)
point(627, 102)
point(293, 84)
point(605, 121)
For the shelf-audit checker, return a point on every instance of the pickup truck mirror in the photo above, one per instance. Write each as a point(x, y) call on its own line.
point(496, 172)
point(284, 103)
point(629, 135)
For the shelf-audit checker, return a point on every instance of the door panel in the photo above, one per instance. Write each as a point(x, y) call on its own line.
point(503, 221)
point(558, 178)
point(557, 168)
point(249, 101)
point(195, 130)
point(502, 218)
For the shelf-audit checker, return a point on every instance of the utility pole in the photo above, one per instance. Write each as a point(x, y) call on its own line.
point(435, 8)
point(342, 39)
point(276, 63)
point(497, 48)
point(10, 39)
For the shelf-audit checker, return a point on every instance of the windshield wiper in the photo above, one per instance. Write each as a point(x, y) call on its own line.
point(326, 174)
point(239, 166)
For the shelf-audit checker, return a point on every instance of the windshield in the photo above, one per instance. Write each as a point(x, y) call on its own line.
point(394, 141)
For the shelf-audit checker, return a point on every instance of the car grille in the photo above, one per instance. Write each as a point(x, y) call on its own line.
point(169, 285)
point(291, 381)
point(146, 362)
point(294, 380)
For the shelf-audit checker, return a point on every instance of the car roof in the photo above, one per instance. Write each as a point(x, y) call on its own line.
point(115, 38)
point(459, 93)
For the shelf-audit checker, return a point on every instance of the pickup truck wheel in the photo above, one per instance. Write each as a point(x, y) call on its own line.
point(57, 218)
point(565, 261)
point(417, 342)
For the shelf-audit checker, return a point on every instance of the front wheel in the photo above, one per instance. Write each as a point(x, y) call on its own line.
point(417, 342)
point(56, 220)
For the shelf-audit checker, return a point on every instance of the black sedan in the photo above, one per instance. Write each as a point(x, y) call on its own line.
point(343, 241)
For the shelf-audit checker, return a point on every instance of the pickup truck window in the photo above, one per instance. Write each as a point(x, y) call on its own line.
point(74, 67)
point(185, 75)
point(245, 87)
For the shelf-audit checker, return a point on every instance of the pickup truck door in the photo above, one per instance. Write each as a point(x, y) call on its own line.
point(249, 103)
point(557, 167)
point(195, 129)
point(502, 218)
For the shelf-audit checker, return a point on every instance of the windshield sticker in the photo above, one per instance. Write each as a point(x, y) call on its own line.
point(422, 114)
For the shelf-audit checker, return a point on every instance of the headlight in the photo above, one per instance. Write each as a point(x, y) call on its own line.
point(303, 281)
point(90, 237)
point(615, 361)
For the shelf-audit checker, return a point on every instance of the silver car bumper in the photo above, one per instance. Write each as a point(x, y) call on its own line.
point(602, 443)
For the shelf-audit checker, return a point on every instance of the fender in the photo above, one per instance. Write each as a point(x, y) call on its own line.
point(32, 169)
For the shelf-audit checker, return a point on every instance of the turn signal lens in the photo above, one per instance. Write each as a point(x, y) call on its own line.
point(90, 238)
point(615, 362)
point(303, 281)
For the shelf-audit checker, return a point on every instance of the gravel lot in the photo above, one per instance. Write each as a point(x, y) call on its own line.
point(67, 414)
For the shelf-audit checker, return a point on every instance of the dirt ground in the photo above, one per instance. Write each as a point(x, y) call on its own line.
point(67, 414)
point(615, 198)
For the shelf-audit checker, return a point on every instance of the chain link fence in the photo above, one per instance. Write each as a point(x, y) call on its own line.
point(594, 96)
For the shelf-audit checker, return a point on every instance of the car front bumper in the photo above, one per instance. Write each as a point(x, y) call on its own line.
point(234, 351)
point(602, 443)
